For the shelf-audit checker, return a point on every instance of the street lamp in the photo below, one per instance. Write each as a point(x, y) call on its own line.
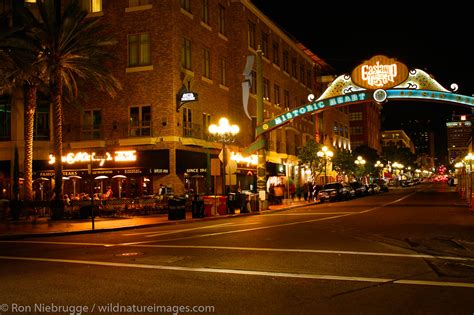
point(468, 158)
point(380, 167)
point(326, 154)
point(361, 163)
point(223, 133)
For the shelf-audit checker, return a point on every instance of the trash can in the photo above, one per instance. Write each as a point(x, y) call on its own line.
point(222, 205)
point(197, 207)
point(177, 208)
point(210, 204)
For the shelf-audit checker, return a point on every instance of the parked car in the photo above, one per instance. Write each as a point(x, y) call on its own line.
point(359, 189)
point(373, 188)
point(336, 191)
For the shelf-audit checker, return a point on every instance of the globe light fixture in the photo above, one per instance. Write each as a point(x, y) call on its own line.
point(224, 133)
point(326, 155)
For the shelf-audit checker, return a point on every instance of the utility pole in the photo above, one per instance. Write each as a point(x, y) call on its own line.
point(261, 166)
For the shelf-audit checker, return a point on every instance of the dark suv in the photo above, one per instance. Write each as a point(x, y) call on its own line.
point(336, 191)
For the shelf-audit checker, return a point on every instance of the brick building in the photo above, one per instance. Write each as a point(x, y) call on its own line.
point(164, 48)
point(365, 125)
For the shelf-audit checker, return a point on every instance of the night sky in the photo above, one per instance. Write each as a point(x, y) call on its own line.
point(433, 38)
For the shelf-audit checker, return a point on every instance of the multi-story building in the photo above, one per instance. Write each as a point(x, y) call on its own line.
point(166, 50)
point(459, 132)
point(397, 138)
point(365, 126)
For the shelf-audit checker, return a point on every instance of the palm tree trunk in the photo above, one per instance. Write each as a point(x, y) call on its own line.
point(57, 206)
point(29, 128)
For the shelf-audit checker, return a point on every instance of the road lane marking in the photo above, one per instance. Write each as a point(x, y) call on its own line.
point(259, 249)
point(157, 233)
point(308, 213)
point(248, 272)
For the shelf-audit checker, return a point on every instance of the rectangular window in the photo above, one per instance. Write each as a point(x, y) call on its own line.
point(186, 54)
point(5, 119)
point(221, 20)
point(137, 3)
point(223, 72)
point(186, 5)
point(91, 124)
point(302, 74)
point(92, 6)
point(294, 68)
point(205, 11)
point(41, 128)
point(139, 50)
point(309, 82)
point(206, 122)
point(187, 122)
point(276, 95)
point(251, 35)
point(253, 88)
point(357, 130)
point(266, 89)
point(286, 59)
point(276, 53)
point(140, 121)
point(286, 98)
point(206, 63)
point(355, 116)
point(265, 44)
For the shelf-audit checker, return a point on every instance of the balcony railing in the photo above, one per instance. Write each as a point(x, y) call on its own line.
point(191, 130)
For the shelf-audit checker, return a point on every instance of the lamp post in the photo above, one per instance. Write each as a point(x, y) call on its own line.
point(360, 162)
point(224, 133)
point(326, 154)
point(380, 167)
point(468, 158)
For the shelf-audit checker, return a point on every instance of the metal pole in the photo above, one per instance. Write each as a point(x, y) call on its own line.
point(92, 194)
point(223, 168)
point(325, 170)
point(261, 165)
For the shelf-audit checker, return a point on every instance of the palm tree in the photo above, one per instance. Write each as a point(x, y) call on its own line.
point(20, 69)
point(74, 49)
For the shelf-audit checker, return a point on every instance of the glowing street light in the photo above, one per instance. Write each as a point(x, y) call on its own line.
point(326, 154)
point(380, 167)
point(223, 133)
point(361, 163)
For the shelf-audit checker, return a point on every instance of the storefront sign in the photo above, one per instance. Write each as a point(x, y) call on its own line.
point(84, 157)
point(196, 170)
point(380, 72)
point(239, 158)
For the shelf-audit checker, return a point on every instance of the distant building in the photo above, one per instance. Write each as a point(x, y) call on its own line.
point(459, 133)
point(365, 125)
point(422, 135)
point(397, 138)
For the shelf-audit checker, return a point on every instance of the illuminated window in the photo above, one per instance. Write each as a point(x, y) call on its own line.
point(205, 11)
point(137, 3)
point(92, 6)
point(221, 20)
point(139, 50)
point(140, 121)
point(206, 63)
point(91, 124)
point(186, 54)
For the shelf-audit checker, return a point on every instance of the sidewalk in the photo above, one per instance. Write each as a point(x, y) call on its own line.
point(46, 227)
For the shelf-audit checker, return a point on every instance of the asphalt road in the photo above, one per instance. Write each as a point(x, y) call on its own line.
point(408, 251)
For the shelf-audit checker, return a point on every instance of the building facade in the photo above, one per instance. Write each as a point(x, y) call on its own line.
point(166, 51)
point(365, 125)
point(397, 138)
point(459, 133)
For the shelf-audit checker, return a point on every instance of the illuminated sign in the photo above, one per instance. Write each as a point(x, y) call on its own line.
point(314, 107)
point(83, 157)
point(430, 95)
point(239, 158)
point(380, 72)
point(189, 97)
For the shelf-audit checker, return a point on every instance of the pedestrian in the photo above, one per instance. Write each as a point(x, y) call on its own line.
point(305, 191)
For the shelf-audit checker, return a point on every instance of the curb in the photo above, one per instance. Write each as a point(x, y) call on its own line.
point(7, 237)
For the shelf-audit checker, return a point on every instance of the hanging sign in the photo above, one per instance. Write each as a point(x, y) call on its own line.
point(380, 72)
